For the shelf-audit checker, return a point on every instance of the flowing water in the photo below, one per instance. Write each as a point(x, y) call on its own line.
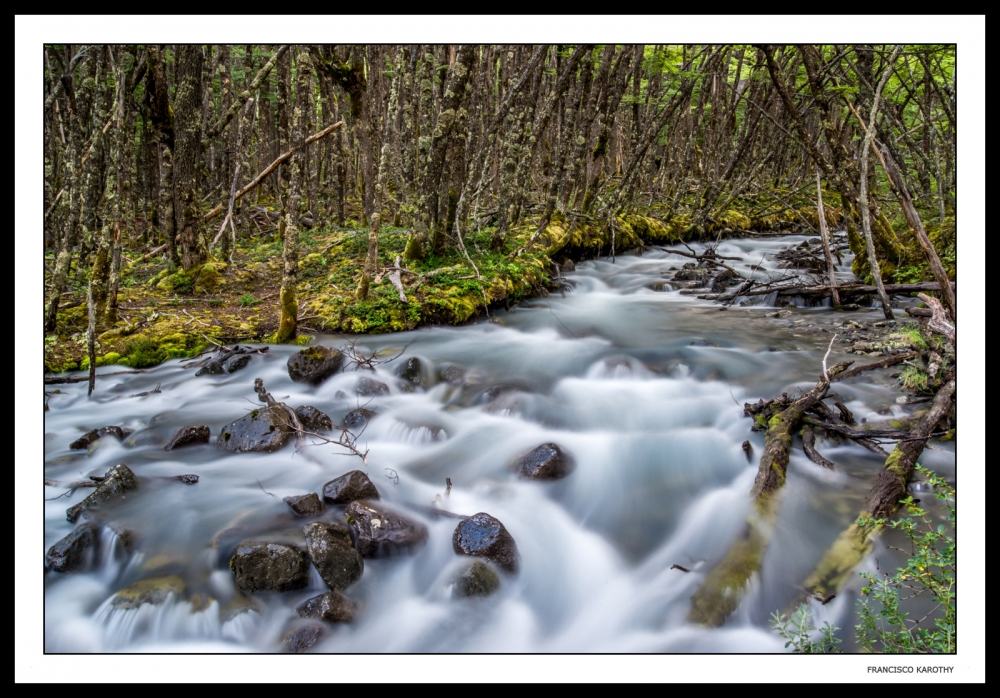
point(641, 385)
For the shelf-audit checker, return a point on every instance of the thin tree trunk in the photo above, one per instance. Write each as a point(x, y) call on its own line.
point(824, 234)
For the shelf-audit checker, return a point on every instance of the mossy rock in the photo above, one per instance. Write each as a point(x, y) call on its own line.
point(154, 590)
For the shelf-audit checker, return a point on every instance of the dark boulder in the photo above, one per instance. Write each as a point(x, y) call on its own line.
point(568, 265)
point(368, 387)
point(482, 535)
point(185, 436)
point(688, 275)
point(412, 372)
point(477, 579)
point(265, 429)
point(314, 364)
point(235, 363)
point(305, 504)
point(348, 488)
point(381, 532)
point(94, 434)
point(212, 368)
point(261, 566)
point(302, 638)
point(356, 420)
point(116, 484)
point(329, 547)
point(333, 607)
point(312, 419)
point(75, 552)
point(547, 462)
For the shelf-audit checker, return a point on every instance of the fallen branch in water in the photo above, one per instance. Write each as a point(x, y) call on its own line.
point(84, 379)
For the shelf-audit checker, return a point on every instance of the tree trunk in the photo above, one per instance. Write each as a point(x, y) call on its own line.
point(187, 156)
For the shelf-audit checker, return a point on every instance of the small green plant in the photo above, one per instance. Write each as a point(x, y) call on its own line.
point(883, 624)
point(930, 569)
point(247, 301)
point(912, 378)
point(799, 630)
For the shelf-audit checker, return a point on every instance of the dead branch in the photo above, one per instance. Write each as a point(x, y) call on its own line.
point(809, 446)
point(882, 363)
point(939, 320)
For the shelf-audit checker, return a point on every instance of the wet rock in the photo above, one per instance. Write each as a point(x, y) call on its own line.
point(477, 579)
point(687, 275)
point(689, 265)
point(261, 566)
point(154, 590)
point(329, 547)
point(333, 607)
point(235, 363)
point(546, 462)
point(238, 605)
point(349, 487)
point(305, 504)
point(127, 537)
point(568, 265)
point(302, 638)
point(356, 420)
point(116, 484)
point(452, 374)
point(703, 343)
point(412, 372)
point(493, 392)
point(314, 364)
point(187, 479)
point(75, 552)
point(94, 434)
point(312, 419)
point(483, 535)
point(212, 368)
point(186, 436)
point(381, 532)
point(368, 387)
point(265, 429)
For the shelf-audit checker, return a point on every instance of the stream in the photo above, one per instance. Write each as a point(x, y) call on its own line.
point(643, 387)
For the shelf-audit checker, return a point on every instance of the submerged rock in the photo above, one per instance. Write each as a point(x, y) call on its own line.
point(485, 536)
point(261, 566)
point(412, 372)
point(333, 607)
point(329, 547)
point(154, 590)
point(235, 363)
point(187, 479)
point(185, 436)
point(355, 420)
point(477, 579)
point(314, 364)
point(305, 504)
point(302, 638)
point(381, 532)
point(116, 484)
point(348, 488)
point(212, 368)
point(264, 429)
point(312, 419)
point(452, 374)
point(75, 552)
point(546, 462)
point(95, 434)
point(368, 387)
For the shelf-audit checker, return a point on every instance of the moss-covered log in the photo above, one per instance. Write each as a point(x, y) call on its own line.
point(723, 588)
point(854, 544)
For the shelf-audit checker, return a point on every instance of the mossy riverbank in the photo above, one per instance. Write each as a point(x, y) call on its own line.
point(165, 312)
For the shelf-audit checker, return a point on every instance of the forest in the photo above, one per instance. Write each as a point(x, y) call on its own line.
point(513, 245)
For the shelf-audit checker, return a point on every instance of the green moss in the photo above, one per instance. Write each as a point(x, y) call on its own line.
point(303, 339)
point(912, 378)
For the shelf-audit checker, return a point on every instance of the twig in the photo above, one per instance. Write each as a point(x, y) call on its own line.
point(827, 356)
point(265, 491)
point(393, 475)
point(682, 568)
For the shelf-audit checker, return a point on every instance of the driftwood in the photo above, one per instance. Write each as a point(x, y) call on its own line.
point(846, 289)
point(721, 591)
point(882, 363)
point(939, 321)
point(854, 544)
point(920, 312)
point(809, 446)
point(828, 416)
point(84, 379)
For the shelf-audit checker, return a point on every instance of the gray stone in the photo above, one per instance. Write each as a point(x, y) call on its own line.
point(117, 482)
point(305, 504)
point(381, 532)
point(356, 420)
point(485, 536)
point(262, 566)
point(312, 419)
point(333, 607)
point(94, 434)
point(412, 372)
point(368, 387)
point(546, 462)
point(348, 488)
point(302, 638)
point(235, 363)
point(264, 429)
point(185, 436)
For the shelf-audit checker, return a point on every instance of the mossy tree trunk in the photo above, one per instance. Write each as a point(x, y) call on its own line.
point(855, 543)
point(723, 588)
point(288, 328)
point(187, 161)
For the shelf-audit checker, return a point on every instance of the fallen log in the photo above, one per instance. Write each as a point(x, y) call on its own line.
point(854, 544)
point(82, 379)
point(939, 321)
point(722, 589)
point(846, 289)
point(881, 363)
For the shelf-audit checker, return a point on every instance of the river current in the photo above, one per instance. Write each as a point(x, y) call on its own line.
point(642, 385)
